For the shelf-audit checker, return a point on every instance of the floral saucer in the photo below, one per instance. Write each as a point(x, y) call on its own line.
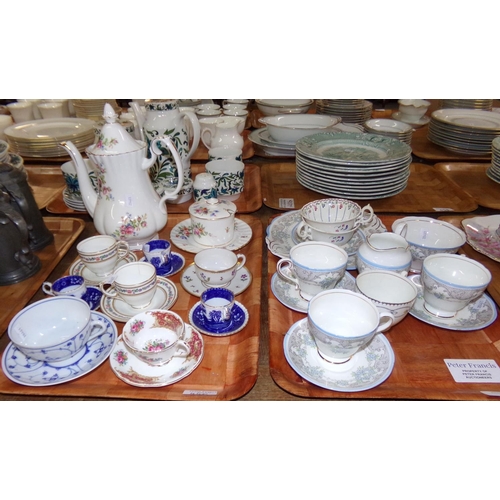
point(290, 297)
point(26, 371)
point(482, 235)
point(119, 310)
point(367, 369)
point(181, 237)
point(176, 263)
point(193, 285)
point(239, 319)
point(78, 268)
point(93, 297)
point(479, 314)
point(133, 371)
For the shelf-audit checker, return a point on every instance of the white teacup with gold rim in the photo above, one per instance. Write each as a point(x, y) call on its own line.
point(216, 267)
point(101, 253)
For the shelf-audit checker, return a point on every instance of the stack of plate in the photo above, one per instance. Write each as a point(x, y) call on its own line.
point(354, 166)
point(485, 104)
point(41, 138)
point(73, 201)
point(263, 141)
point(351, 110)
point(93, 108)
point(390, 128)
point(493, 171)
point(464, 131)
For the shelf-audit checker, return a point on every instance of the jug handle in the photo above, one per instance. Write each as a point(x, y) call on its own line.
point(196, 132)
point(206, 137)
point(401, 229)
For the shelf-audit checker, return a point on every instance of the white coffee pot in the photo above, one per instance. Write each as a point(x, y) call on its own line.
point(126, 205)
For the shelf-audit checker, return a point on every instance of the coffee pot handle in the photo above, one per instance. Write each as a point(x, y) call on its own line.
point(195, 124)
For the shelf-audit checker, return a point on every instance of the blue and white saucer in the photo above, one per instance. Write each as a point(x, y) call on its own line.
point(24, 370)
point(176, 263)
point(239, 319)
point(93, 297)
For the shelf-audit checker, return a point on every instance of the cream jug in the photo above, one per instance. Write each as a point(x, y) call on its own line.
point(163, 118)
point(126, 205)
point(227, 134)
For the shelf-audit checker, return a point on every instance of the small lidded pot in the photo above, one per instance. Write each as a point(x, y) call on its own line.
point(212, 222)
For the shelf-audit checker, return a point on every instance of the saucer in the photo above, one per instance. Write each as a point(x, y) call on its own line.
point(79, 268)
point(414, 123)
point(479, 314)
point(193, 285)
point(26, 371)
point(239, 319)
point(119, 310)
point(133, 371)
point(290, 297)
point(176, 263)
point(368, 368)
point(182, 238)
point(93, 297)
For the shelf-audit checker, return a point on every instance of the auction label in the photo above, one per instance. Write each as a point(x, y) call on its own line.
point(474, 370)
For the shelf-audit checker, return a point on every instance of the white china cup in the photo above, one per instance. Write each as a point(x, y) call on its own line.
point(306, 232)
point(156, 336)
point(216, 267)
point(72, 285)
point(51, 109)
point(450, 282)
point(389, 291)
point(135, 283)
point(313, 267)
point(54, 329)
point(229, 177)
point(21, 111)
point(101, 253)
point(342, 322)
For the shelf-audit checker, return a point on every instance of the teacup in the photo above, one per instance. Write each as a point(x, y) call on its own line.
point(313, 267)
point(216, 306)
point(51, 109)
point(72, 285)
point(21, 111)
point(157, 252)
point(225, 153)
point(389, 291)
point(101, 253)
point(135, 283)
point(239, 102)
point(155, 337)
point(451, 282)
point(342, 322)
point(308, 233)
point(216, 267)
point(68, 170)
point(229, 177)
point(54, 329)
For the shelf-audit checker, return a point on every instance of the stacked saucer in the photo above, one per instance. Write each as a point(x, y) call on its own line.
point(493, 171)
point(351, 110)
point(485, 104)
point(93, 108)
point(73, 201)
point(390, 128)
point(263, 141)
point(353, 166)
point(464, 131)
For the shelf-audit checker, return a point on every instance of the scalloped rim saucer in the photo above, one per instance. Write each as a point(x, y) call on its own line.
point(177, 262)
point(133, 371)
point(26, 371)
point(193, 285)
point(367, 369)
point(239, 319)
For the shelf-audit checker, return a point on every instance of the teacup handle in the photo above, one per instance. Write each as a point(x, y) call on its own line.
point(288, 265)
point(110, 292)
point(47, 288)
point(98, 328)
point(387, 323)
point(401, 229)
point(304, 231)
point(183, 349)
point(366, 215)
point(123, 248)
point(241, 261)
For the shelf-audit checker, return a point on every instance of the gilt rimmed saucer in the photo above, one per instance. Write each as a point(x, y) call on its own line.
point(181, 236)
point(119, 310)
point(366, 369)
point(478, 314)
point(131, 370)
point(239, 319)
point(176, 263)
point(290, 297)
point(193, 285)
point(80, 269)
point(93, 297)
point(26, 371)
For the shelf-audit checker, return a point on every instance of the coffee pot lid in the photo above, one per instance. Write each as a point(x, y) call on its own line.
point(113, 138)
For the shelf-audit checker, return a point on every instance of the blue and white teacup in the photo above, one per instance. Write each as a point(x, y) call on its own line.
point(157, 252)
point(217, 305)
point(73, 286)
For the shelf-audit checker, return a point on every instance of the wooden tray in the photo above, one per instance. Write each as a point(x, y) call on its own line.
point(201, 154)
point(14, 297)
point(46, 182)
point(423, 148)
point(229, 366)
point(419, 371)
point(472, 178)
point(428, 190)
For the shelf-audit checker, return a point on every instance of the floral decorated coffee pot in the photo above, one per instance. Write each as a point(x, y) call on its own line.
point(126, 205)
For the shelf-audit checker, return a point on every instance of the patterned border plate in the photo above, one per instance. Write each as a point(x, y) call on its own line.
point(482, 235)
point(365, 370)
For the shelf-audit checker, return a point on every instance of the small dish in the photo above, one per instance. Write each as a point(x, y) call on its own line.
point(482, 235)
point(193, 285)
point(131, 370)
point(26, 371)
point(78, 268)
point(420, 122)
point(176, 263)
point(181, 237)
point(164, 298)
point(93, 297)
point(239, 319)
point(367, 369)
